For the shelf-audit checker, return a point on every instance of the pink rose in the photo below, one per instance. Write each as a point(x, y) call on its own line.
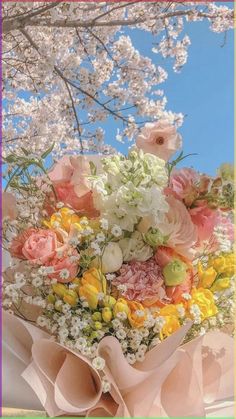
point(69, 178)
point(159, 138)
point(178, 226)
point(38, 246)
point(65, 268)
point(205, 219)
point(163, 256)
point(9, 208)
point(18, 243)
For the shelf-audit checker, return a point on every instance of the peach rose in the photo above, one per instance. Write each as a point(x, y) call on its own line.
point(69, 178)
point(165, 255)
point(159, 138)
point(36, 245)
point(65, 268)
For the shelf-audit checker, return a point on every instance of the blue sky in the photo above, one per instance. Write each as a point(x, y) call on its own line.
point(203, 91)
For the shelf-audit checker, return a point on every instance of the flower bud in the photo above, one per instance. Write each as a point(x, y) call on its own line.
point(90, 293)
point(109, 301)
point(106, 314)
point(58, 305)
point(154, 237)
point(175, 272)
point(121, 306)
point(97, 316)
point(98, 325)
point(51, 298)
point(93, 335)
point(59, 289)
point(71, 298)
point(112, 258)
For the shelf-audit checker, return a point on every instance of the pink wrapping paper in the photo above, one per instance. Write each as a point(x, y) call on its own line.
point(173, 381)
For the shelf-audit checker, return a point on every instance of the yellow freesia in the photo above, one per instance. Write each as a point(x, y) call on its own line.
point(93, 283)
point(224, 264)
point(171, 325)
point(64, 218)
point(204, 299)
point(206, 276)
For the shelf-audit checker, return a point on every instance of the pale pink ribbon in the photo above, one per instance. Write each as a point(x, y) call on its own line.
point(173, 380)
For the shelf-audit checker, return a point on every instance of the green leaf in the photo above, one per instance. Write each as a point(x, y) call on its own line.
point(26, 152)
point(93, 168)
point(48, 151)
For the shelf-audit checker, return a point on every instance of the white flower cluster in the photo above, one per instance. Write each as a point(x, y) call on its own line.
point(131, 188)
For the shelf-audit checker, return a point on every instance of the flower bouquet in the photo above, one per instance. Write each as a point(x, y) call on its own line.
point(118, 295)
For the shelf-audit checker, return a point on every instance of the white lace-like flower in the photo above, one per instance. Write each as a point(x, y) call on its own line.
point(98, 363)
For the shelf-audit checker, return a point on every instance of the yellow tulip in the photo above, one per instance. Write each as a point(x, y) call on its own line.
point(121, 306)
point(137, 314)
point(71, 298)
point(59, 289)
point(106, 314)
point(206, 277)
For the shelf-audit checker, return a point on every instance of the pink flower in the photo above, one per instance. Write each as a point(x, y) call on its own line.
point(182, 185)
point(69, 177)
point(205, 219)
point(163, 256)
point(159, 138)
point(9, 208)
point(65, 268)
point(143, 281)
point(178, 226)
point(38, 246)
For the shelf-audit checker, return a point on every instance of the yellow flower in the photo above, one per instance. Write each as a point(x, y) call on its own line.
point(171, 325)
point(93, 282)
point(221, 284)
point(169, 310)
point(106, 314)
point(64, 219)
point(70, 297)
point(137, 314)
point(206, 277)
point(121, 306)
point(224, 264)
point(204, 299)
point(59, 289)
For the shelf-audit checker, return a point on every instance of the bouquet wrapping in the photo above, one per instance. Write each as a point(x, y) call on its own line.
point(119, 283)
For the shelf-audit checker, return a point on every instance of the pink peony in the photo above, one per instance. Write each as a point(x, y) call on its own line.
point(163, 256)
point(36, 245)
point(69, 178)
point(9, 208)
point(178, 226)
point(143, 281)
point(64, 265)
point(205, 219)
point(159, 138)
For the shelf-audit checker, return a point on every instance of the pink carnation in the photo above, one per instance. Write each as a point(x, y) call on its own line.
point(159, 138)
point(143, 280)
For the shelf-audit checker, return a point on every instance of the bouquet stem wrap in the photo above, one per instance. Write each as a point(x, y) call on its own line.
point(191, 380)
